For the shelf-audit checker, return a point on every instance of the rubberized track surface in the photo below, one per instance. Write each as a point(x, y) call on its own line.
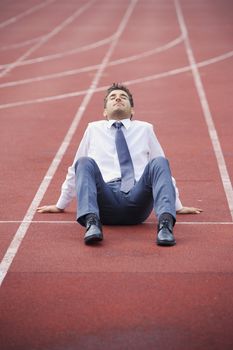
point(57, 58)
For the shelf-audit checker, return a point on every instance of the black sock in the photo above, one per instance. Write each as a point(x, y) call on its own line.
point(91, 216)
point(167, 216)
point(82, 220)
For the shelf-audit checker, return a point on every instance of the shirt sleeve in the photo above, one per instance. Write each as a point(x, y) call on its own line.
point(68, 187)
point(178, 201)
point(155, 147)
point(157, 151)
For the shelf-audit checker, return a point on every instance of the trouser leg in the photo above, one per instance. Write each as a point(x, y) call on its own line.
point(87, 176)
point(155, 188)
point(93, 194)
point(163, 190)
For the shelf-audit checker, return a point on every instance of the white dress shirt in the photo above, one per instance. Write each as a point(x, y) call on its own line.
point(98, 143)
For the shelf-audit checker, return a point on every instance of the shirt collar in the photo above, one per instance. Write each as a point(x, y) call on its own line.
point(126, 122)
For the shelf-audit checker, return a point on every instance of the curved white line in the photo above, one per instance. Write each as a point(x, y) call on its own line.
point(94, 67)
point(47, 37)
point(129, 82)
point(216, 59)
point(63, 54)
point(58, 55)
point(179, 70)
point(25, 13)
point(21, 44)
point(67, 53)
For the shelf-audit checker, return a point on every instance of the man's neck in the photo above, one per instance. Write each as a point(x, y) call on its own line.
point(118, 117)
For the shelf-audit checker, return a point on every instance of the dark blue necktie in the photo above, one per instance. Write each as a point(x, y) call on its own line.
point(126, 164)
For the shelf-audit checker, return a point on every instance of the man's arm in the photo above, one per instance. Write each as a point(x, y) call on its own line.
point(156, 150)
point(68, 186)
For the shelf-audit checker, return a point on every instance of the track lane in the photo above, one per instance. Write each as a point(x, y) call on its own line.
point(21, 232)
point(57, 29)
point(125, 249)
point(39, 25)
point(29, 8)
point(226, 182)
point(133, 314)
point(217, 81)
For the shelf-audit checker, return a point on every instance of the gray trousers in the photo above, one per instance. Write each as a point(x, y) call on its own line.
point(113, 207)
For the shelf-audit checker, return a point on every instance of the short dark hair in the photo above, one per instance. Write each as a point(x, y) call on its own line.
point(117, 86)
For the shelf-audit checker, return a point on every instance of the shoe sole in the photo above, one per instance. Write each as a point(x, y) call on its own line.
point(93, 239)
point(166, 243)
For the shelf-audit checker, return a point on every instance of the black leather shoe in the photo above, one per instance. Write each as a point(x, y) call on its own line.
point(165, 233)
point(93, 230)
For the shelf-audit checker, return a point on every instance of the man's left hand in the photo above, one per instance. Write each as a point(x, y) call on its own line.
point(189, 210)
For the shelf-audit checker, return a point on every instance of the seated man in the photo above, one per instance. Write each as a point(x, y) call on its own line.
point(120, 174)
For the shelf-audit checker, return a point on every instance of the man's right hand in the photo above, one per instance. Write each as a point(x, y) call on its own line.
point(49, 209)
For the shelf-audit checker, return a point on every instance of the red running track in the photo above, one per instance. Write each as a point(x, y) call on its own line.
point(57, 58)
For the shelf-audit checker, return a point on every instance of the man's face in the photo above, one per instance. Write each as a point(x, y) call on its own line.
point(118, 105)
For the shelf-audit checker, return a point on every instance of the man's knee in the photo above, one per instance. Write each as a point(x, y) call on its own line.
point(84, 162)
point(159, 162)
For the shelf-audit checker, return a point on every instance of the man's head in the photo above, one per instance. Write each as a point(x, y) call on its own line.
point(118, 102)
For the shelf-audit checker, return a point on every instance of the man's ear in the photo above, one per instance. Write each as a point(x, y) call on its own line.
point(105, 113)
point(132, 113)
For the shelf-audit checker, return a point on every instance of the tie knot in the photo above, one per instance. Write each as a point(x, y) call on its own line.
point(117, 125)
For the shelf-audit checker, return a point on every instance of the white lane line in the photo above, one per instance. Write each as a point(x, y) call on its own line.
point(61, 222)
point(72, 72)
point(198, 222)
point(20, 44)
point(64, 54)
point(58, 55)
point(179, 70)
point(22, 230)
point(25, 13)
point(68, 53)
point(47, 37)
point(126, 82)
point(206, 111)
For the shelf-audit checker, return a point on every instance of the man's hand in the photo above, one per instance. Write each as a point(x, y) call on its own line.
point(189, 210)
point(49, 209)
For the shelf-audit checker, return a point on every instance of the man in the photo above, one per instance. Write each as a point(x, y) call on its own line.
point(120, 174)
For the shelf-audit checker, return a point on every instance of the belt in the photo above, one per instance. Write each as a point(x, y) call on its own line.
point(117, 179)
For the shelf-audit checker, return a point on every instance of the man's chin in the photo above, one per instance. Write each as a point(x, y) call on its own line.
point(119, 114)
